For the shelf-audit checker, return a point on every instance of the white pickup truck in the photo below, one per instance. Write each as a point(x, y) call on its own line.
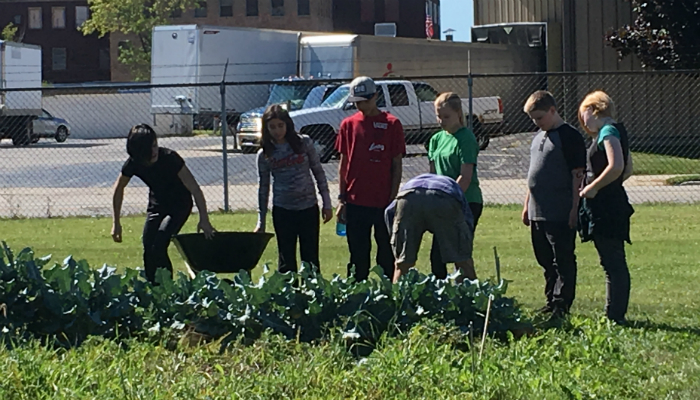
point(410, 102)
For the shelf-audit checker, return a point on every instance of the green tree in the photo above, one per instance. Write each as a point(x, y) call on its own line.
point(9, 32)
point(664, 34)
point(137, 18)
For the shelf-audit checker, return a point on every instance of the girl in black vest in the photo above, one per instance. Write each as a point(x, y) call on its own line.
point(605, 209)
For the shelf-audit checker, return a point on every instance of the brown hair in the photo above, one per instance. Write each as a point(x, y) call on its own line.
point(541, 100)
point(276, 111)
point(600, 103)
point(453, 101)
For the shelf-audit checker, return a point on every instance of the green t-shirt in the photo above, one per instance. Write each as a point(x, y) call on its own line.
point(449, 151)
point(606, 131)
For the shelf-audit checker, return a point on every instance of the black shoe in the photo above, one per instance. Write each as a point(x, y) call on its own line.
point(548, 309)
point(620, 321)
point(558, 313)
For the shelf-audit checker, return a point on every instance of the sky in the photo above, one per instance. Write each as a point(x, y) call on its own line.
point(458, 15)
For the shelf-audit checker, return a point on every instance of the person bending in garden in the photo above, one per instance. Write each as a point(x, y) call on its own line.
point(171, 188)
point(436, 204)
point(606, 211)
point(291, 159)
point(557, 165)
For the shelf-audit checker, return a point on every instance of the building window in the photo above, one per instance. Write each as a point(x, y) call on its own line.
point(303, 7)
point(81, 15)
point(58, 59)
point(35, 18)
point(251, 8)
point(176, 13)
point(277, 9)
point(104, 59)
point(201, 10)
point(367, 10)
point(58, 17)
point(226, 8)
point(391, 10)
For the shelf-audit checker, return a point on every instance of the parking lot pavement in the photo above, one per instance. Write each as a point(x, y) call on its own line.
point(96, 163)
point(75, 177)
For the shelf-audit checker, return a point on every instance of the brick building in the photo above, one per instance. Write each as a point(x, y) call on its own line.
point(68, 56)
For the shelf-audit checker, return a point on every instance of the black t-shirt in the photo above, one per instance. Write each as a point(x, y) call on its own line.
point(166, 188)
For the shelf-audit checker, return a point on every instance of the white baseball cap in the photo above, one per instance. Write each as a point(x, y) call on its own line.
point(362, 88)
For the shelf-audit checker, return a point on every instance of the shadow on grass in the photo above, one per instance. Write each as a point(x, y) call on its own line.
point(542, 324)
point(653, 326)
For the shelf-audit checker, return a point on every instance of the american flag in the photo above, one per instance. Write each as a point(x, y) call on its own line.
point(429, 26)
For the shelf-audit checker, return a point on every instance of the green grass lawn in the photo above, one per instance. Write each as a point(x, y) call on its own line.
point(664, 239)
point(588, 358)
point(655, 164)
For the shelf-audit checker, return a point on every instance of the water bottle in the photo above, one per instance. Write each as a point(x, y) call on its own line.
point(340, 229)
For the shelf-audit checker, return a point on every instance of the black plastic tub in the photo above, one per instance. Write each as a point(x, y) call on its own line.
point(227, 252)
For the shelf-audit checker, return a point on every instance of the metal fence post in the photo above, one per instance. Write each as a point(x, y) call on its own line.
point(224, 129)
point(470, 82)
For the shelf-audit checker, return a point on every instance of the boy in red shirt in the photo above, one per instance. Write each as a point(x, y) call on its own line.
point(371, 146)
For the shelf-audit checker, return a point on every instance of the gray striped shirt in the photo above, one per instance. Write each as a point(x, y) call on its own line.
point(292, 184)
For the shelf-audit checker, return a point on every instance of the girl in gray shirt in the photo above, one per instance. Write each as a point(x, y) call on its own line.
point(291, 158)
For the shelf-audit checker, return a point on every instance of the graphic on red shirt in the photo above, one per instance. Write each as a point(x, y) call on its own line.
point(376, 147)
point(370, 145)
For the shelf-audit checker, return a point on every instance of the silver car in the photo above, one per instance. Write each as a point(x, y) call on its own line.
point(48, 126)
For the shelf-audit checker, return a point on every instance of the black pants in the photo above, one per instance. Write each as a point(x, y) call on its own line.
point(360, 221)
point(617, 276)
point(158, 230)
point(438, 267)
point(555, 244)
point(291, 225)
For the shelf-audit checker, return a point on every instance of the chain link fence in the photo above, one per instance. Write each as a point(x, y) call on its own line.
point(64, 161)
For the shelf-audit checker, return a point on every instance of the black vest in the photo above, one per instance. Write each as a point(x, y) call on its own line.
point(609, 213)
point(598, 159)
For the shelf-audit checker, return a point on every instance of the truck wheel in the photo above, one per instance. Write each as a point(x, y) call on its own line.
point(426, 143)
point(483, 139)
point(20, 139)
point(23, 136)
point(324, 141)
point(482, 135)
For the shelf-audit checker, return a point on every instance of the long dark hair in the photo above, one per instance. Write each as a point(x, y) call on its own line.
point(276, 111)
point(139, 143)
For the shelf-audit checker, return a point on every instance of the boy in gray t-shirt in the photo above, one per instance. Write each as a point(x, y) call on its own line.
point(557, 165)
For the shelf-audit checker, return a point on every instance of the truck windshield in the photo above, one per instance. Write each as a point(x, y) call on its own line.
point(338, 98)
point(295, 94)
